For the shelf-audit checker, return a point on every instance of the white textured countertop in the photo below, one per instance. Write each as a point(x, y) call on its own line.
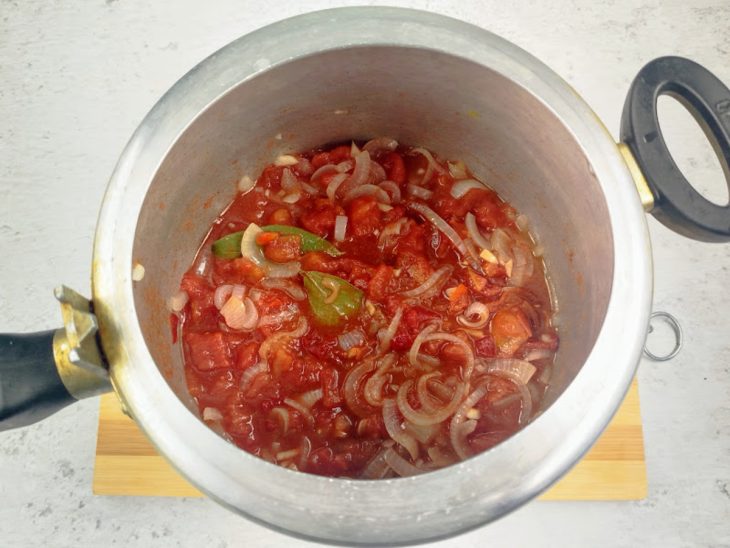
point(77, 77)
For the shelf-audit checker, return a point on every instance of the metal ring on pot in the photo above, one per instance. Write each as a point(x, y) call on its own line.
point(678, 337)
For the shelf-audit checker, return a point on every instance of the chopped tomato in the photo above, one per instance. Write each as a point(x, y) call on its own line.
point(320, 219)
point(413, 321)
point(510, 330)
point(265, 238)
point(365, 216)
point(247, 355)
point(394, 167)
point(285, 248)
point(236, 271)
point(485, 347)
point(334, 156)
point(377, 288)
point(207, 351)
point(330, 387)
point(281, 216)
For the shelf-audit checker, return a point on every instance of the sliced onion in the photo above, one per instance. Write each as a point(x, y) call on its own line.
point(457, 169)
point(389, 333)
point(367, 190)
point(221, 295)
point(523, 266)
point(304, 167)
point(138, 272)
point(289, 181)
point(380, 143)
point(431, 216)
point(480, 310)
point(526, 412)
point(251, 373)
point(335, 184)
point(501, 245)
point(287, 286)
point(377, 173)
point(432, 165)
point(344, 167)
point(394, 427)
point(309, 189)
point(424, 434)
point(522, 222)
point(400, 465)
point(351, 339)
point(413, 355)
point(306, 448)
point(439, 457)
point(340, 228)
point(251, 251)
point(460, 188)
point(453, 339)
point(212, 414)
point(354, 149)
point(518, 371)
point(474, 233)
point(544, 376)
point(282, 415)
point(292, 197)
point(458, 437)
point(393, 189)
point(286, 160)
point(456, 432)
point(324, 170)
point(240, 314)
point(282, 337)
point(424, 397)
point(373, 391)
point(308, 399)
point(351, 388)
point(538, 354)
point(286, 314)
point(419, 192)
point(306, 413)
point(360, 174)
point(377, 468)
point(424, 418)
point(178, 301)
point(245, 184)
point(391, 229)
point(282, 456)
point(438, 276)
point(239, 291)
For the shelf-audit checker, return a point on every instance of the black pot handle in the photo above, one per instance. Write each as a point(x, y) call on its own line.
point(31, 387)
point(41, 373)
point(676, 204)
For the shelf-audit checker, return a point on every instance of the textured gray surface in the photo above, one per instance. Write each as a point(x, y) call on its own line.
point(77, 80)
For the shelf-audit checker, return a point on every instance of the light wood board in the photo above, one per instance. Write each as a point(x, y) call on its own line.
point(614, 469)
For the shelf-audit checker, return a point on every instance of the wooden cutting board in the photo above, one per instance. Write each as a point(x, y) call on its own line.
point(128, 464)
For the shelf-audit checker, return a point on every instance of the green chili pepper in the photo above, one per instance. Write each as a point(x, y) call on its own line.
point(229, 246)
point(310, 242)
point(320, 288)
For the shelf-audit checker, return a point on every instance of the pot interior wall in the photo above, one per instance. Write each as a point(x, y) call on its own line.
point(509, 139)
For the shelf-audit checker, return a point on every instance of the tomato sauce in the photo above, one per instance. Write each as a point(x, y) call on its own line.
point(366, 313)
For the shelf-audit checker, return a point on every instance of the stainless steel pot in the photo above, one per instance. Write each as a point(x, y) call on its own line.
point(421, 78)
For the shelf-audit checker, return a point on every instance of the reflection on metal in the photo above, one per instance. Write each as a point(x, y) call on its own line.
point(75, 348)
point(678, 336)
point(645, 194)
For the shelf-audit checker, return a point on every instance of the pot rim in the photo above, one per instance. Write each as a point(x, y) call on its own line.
point(399, 510)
